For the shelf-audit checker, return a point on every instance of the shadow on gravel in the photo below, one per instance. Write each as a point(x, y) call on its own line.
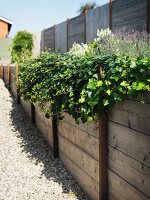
point(38, 149)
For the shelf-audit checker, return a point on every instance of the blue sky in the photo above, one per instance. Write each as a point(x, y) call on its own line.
point(35, 15)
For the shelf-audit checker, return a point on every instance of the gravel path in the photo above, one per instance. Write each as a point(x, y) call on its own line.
point(27, 167)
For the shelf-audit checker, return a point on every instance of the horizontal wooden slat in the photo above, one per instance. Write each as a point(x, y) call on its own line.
point(131, 142)
point(121, 190)
point(91, 128)
point(86, 182)
point(129, 169)
point(132, 114)
point(80, 138)
point(44, 125)
point(83, 160)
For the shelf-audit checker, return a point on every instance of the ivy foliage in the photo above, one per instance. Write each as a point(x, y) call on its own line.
point(22, 47)
point(72, 82)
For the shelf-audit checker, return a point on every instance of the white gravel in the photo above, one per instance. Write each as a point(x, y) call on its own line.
point(27, 167)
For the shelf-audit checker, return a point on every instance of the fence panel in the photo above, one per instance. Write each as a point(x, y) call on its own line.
point(61, 37)
point(49, 38)
point(131, 14)
point(96, 19)
point(76, 30)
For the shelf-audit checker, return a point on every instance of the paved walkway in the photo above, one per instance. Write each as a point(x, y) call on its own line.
point(27, 167)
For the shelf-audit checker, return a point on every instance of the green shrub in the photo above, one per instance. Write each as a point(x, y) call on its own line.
point(22, 46)
point(70, 82)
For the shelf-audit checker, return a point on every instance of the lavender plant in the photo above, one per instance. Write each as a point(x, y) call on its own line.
point(133, 44)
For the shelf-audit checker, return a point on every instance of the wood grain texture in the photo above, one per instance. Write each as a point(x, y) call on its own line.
point(44, 125)
point(90, 186)
point(13, 81)
point(85, 162)
point(130, 142)
point(121, 190)
point(91, 128)
point(80, 139)
point(134, 172)
point(132, 114)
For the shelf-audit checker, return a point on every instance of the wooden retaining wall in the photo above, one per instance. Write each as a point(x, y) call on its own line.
point(129, 151)
point(128, 145)
point(79, 151)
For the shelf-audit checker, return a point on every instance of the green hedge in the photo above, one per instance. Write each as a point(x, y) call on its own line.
point(70, 82)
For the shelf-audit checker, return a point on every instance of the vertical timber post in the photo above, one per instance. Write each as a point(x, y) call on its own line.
point(8, 75)
point(2, 72)
point(32, 113)
point(54, 37)
point(18, 96)
point(67, 34)
point(102, 152)
point(148, 16)
point(85, 13)
point(110, 14)
point(55, 137)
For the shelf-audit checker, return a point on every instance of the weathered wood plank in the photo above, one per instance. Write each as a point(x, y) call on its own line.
point(134, 172)
point(90, 186)
point(13, 81)
point(83, 160)
point(130, 142)
point(80, 138)
point(121, 190)
point(44, 125)
point(26, 106)
point(91, 128)
point(132, 114)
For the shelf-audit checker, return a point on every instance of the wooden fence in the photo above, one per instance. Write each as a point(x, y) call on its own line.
point(132, 14)
point(120, 173)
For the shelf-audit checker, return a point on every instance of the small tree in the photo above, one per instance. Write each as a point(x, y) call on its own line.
point(86, 7)
point(22, 47)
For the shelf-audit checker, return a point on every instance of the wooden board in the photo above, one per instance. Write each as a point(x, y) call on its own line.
point(85, 162)
point(44, 125)
point(132, 114)
point(134, 172)
point(121, 190)
point(86, 182)
point(91, 128)
point(79, 138)
point(130, 142)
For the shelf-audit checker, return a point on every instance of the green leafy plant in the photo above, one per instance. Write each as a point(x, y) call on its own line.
point(22, 46)
point(71, 82)
point(86, 7)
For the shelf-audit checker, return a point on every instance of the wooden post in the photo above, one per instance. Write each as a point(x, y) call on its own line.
point(8, 75)
point(2, 72)
point(32, 113)
point(110, 14)
point(85, 13)
point(54, 37)
point(148, 16)
point(18, 96)
point(55, 137)
point(67, 34)
point(102, 152)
